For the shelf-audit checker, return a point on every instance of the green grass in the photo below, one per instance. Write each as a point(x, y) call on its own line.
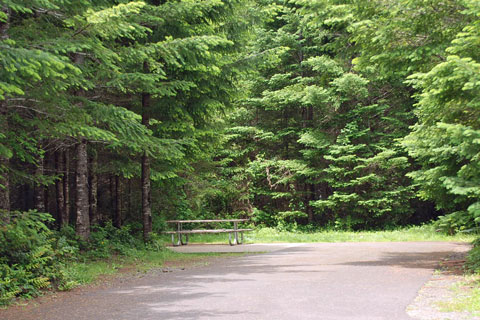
point(270, 235)
point(81, 273)
point(467, 297)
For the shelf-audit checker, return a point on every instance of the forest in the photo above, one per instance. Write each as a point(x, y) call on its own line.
point(298, 114)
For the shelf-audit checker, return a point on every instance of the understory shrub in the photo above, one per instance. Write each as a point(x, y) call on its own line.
point(30, 256)
point(107, 240)
point(473, 258)
point(459, 221)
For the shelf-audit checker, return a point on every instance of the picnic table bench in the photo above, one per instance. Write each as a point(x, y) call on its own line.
point(180, 232)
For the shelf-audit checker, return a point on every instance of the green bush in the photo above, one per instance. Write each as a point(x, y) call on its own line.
point(473, 258)
point(107, 240)
point(29, 256)
point(459, 221)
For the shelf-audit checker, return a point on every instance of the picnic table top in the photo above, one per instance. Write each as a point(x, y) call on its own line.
point(200, 221)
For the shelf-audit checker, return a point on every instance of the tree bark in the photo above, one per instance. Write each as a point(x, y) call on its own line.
point(310, 196)
point(65, 220)
point(39, 190)
point(82, 225)
point(146, 185)
point(146, 194)
point(93, 182)
point(4, 167)
point(309, 188)
point(111, 183)
point(4, 161)
point(4, 26)
point(4, 190)
point(129, 198)
point(59, 188)
point(117, 218)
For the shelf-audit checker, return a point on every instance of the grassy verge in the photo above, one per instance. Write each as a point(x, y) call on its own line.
point(467, 297)
point(103, 270)
point(81, 273)
point(466, 291)
point(270, 235)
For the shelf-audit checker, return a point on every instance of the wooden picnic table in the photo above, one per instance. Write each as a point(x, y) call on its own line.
point(180, 231)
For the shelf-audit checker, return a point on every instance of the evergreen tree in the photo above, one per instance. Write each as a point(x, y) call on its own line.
point(445, 139)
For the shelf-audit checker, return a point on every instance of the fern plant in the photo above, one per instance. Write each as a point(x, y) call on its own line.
point(29, 262)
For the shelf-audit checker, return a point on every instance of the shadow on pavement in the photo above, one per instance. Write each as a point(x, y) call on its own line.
point(203, 291)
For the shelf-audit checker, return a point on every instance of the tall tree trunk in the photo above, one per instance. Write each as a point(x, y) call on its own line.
point(111, 183)
point(65, 220)
point(4, 26)
point(129, 198)
point(146, 194)
point(93, 182)
point(59, 188)
point(82, 225)
point(146, 185)
point(23, 197)
point(4, 162)
point(117, 218)
point(4, 190)
point(4, 167)
point(39, 189)
point(309, 196)
point(309, 188)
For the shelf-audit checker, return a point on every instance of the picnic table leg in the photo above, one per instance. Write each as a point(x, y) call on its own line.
point(234, 242)
point(178, 242)
point(241, 237)
point(186, 240)
point(179, 236)
point(235, 227)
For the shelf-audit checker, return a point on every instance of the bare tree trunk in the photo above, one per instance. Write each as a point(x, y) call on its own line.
point(93, 182)
point(129, 198)
point(146, 185)
point(111, 181)
point(82, 225)
point(66, 188)
point(4, 167)
point(310, 197)
point(146, 194)
point(4, 162)
point(59, 188)
point(4, 191)
point(4, 26)
point(117, 217)
point(39, 189)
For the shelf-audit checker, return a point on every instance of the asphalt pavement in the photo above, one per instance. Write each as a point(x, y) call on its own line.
point(288, 281)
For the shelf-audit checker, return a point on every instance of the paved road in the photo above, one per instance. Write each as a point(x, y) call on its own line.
point(295, 281)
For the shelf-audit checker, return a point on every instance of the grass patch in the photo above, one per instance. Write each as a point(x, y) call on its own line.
point(467, 297)
point(81, 273)
point(271, 235)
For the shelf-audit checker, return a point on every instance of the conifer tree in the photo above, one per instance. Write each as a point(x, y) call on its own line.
point(445, 139)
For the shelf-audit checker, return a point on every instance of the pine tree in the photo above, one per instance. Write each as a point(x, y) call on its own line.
point(445, 139)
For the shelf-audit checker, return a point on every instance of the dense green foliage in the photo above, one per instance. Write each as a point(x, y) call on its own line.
point(30, 256)
point(445, 140)
point(117, 115)
point(318, 138)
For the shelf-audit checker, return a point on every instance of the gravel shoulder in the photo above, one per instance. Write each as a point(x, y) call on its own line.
point(439, 289)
